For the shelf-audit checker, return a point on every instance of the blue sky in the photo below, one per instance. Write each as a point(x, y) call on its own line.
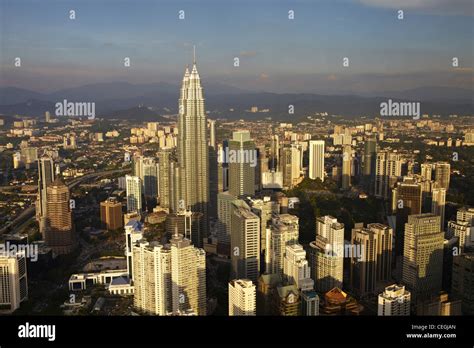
point(276, 54)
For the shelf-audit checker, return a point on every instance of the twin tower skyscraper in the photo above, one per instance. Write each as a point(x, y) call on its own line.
point(192, 172)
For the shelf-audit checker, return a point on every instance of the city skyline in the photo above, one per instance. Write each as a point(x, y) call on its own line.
point(345, 191)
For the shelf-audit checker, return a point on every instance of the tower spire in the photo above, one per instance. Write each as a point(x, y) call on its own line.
point(194, 54)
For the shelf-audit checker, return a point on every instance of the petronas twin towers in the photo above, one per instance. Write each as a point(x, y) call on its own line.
point(193, 153)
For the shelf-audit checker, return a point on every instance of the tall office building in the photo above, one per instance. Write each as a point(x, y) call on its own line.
point(406, 197)
point(193, 152)
point(363, 267)
point(394, 301)
point(165, 178)
point(214, 170)
point(316, 159)
point(13, 281)
point(59, 234)
point(370, 261)
point(388, 168)
point(245, 242)
point(285, 164)
point(134, 194)
point(296, 163)
point(326, 254)
point(326, 268)
point(427, 171)
point(242, 298)
point(346, 166)
point(264, 208)
point(169, 279)
point(438, 203)
point(296, 268)
point(149, 175)
point(222, 171)
point(186, 223)
point(423, 255)
point(369, 160)
point(111, 214)
point(283, 232)
point(274, 152)
point(332, 231)
point(45, 177)
point(406, 200)
point(224, 215)
point(384, 250)
point(463, 281)
point(443, 174)
point(212, 133)
point(241, 168)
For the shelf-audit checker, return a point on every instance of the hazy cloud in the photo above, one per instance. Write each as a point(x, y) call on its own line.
point(248, 53)
point(452, 7)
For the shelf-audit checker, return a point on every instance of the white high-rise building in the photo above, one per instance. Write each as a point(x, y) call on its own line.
point(462, 230)
point(245, 242)
point(133, 233)
point(152, 278)
point(466, 214)
point(296, 162)
point(331, 230)
point(188, 276)
point(316, 159)
point(212, 133)
point(169, 279)
point(388, 169)
point(264, 209)
point(13, 282)
point(134, 194)
point(283, 232)
point(242, 297)
point(326, 267)
point(395, 300)
point(296, 268)
point(327, 254)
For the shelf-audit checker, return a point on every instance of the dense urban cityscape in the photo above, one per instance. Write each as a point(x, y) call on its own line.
point(195, 216)
point(205, 198)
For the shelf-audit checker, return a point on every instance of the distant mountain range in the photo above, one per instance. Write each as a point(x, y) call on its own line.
point(148, 101)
